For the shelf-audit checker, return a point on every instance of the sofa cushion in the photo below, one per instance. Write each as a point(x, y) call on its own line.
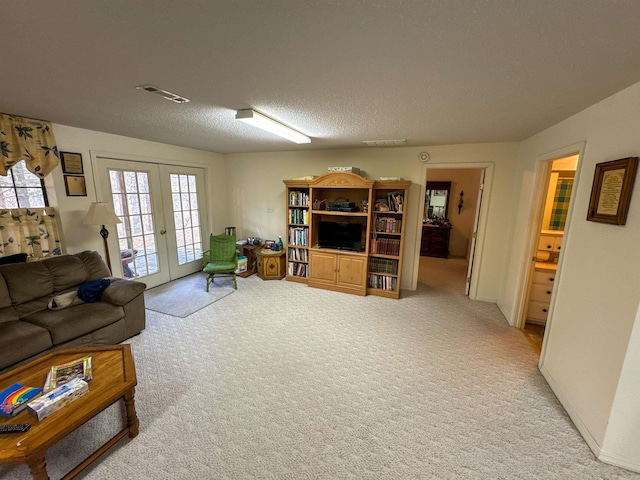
point(27, 281)
point(75, 321)
point(121, 292)
point(7, 312)
point(20, 340)
point(94, 265)
point(66, 271)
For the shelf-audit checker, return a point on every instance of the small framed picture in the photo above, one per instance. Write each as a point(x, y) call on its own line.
point(71, 163)
point(75, 186)
point(611, 191)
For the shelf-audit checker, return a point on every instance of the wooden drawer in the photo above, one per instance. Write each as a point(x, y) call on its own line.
point(537, 311)
point(540, 293)
point(542, 277)
point(550, 243)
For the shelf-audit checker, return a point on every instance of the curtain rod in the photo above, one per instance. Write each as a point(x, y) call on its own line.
point(26, 118)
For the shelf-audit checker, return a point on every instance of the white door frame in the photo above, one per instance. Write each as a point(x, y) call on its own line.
point(97, 155)
point(484, 213)
point(535, 218)
point(474, 233)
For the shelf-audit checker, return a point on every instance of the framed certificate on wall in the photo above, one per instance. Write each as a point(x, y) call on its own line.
point(71, 163)
point(611, 191)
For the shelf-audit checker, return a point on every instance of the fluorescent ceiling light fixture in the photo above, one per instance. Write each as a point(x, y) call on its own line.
point(172, 97)
point(272, 126)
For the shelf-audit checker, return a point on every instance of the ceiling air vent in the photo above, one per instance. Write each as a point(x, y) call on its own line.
point(385, 143)
point(163, 93)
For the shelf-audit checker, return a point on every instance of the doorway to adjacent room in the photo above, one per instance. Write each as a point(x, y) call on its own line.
point(450, 224)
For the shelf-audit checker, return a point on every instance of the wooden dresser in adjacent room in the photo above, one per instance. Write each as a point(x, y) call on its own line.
point(435, 241)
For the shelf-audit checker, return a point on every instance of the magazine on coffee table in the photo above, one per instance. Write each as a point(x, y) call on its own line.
point(63, 373)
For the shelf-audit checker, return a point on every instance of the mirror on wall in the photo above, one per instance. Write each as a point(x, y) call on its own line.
point(436, 201)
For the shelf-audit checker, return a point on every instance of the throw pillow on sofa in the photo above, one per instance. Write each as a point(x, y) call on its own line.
point(88, 292)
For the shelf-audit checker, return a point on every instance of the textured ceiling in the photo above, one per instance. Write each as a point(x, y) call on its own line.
point(341, 71)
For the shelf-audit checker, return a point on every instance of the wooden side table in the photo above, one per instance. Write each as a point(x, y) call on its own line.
point(271, 264)
point(249, 251)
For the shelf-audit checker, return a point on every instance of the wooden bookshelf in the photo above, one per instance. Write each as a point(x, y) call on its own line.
point(386, 246)
point(377, 268)
point(297, 231)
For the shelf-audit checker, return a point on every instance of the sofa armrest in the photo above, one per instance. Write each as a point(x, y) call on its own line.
point(121, 292)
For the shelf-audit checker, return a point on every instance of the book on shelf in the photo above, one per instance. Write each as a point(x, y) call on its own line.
point(396, 200)
point(15, 398)
point(299, 199)
point(383, 282)
point(60, 374)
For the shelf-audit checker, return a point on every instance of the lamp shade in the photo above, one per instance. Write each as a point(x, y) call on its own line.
point(101, 213)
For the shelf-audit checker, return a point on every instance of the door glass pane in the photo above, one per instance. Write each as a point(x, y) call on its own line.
point(136, 236)
point(185, 210)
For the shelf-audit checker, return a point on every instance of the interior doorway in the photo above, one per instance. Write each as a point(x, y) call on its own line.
point(450, 223)
point(556, 186)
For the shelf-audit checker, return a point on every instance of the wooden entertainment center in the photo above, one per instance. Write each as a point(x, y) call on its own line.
point(380, 208)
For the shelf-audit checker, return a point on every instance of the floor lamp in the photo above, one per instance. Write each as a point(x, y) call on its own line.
point(101, 213)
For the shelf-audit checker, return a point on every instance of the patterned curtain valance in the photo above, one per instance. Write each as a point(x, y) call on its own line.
point(28, 140)
point(34, 231)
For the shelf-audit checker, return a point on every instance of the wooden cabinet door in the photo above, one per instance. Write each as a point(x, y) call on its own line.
point(322, 268)
point(352, 272)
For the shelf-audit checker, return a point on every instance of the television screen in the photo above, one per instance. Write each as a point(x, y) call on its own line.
point(340, 235)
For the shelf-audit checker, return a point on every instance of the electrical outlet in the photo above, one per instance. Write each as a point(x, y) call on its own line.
point(270, 209)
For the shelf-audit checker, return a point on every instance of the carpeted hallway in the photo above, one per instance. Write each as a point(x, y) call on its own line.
point(281, 381)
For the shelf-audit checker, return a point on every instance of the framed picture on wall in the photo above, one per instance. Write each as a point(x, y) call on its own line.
point(611, 191)
point(71, 163)
point(75, 186)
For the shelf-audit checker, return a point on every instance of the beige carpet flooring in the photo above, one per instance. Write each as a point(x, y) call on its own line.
point(280, 381)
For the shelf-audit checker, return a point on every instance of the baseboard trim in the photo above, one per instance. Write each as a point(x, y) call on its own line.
point(506, 316)
point(595, 447)
point(575, 418)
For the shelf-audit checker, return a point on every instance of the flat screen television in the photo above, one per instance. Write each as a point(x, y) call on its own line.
point(340, 235)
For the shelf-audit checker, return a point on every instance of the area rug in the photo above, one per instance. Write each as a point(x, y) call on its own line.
point(186, 295)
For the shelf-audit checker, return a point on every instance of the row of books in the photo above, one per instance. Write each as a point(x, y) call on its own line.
point(299, 199)
point(41, 402)
point(383, 265)
point(299, 216)
point(298, 236)
point(383, 282)
point(385, 246)
point(388, 224)
point(299, 254)
point(298, 269)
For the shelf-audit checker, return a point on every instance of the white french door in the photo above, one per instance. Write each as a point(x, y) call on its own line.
point(160, 234)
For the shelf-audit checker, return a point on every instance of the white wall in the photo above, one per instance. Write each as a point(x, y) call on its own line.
point(78, 237)
point(588, 340)
point(465, 180)
point(258, 198)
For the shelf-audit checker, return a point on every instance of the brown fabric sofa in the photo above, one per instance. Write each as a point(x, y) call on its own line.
point(28, 328)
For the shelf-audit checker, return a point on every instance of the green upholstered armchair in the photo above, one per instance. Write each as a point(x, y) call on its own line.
point(221, 259)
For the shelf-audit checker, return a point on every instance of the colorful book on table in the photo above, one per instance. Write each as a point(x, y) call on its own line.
point(15, 398)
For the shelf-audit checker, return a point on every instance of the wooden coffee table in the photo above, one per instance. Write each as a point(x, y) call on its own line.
point(114, 377)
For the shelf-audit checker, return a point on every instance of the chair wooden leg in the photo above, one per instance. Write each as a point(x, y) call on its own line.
point(235, 283)
point(208, 281)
